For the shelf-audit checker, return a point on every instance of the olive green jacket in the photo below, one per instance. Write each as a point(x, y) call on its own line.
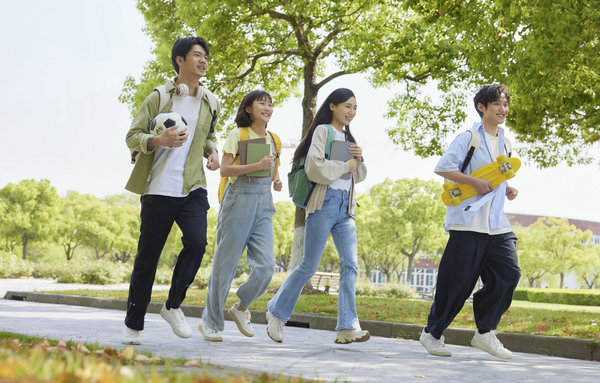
point(139, 134)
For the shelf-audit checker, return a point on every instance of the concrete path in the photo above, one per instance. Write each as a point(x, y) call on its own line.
point(305, 352)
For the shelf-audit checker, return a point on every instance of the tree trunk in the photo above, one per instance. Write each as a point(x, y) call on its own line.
point(309, 109)
point(24, 240)
point(562, 280)
point(409, 269)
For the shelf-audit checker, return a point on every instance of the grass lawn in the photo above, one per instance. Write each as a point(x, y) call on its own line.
point(523, 317)
point(31, 359)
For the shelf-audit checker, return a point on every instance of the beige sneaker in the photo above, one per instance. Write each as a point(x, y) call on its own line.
point(130, 336)
point(275, 327)
point(434, 346)
point(350, 336)
point(241, 319)
point(208, 333)
point(489, 343)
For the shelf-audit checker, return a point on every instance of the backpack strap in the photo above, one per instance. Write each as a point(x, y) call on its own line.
point(225, 180)
point(277, 143)
point(213, 104)
point(507, 147)
point(473, 146)
point(330, 137)
point(163, 97)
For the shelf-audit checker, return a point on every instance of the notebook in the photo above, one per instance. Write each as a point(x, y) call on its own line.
point(254, 153)
point(339, 152)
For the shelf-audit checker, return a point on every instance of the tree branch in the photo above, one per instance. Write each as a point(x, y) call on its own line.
point(329, 78)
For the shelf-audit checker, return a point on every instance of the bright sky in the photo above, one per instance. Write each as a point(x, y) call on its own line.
point(63, 66)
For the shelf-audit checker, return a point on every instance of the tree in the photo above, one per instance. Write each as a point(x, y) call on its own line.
point(589, 269)
point(366, 221)
point(561, 244)
point(283, 233)
point(411, 220)
point(547, 52)
point(30, 211)
point(532, 260)
point(280, 45)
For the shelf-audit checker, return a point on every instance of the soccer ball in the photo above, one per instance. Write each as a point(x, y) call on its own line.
point(162, 121)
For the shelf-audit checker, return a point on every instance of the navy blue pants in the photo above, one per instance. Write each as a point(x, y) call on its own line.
point(157, 217)
point(468, 256)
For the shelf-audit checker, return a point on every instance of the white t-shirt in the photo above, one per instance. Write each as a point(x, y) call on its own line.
point(481, 220)
point(341, 183)
point(167, 172)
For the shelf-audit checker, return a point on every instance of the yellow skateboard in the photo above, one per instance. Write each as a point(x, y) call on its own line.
point(496, 172)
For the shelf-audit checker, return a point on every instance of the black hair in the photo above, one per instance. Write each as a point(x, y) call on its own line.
point(324, 116)
point(183, 46)
point(242, 118)
point(490, 93)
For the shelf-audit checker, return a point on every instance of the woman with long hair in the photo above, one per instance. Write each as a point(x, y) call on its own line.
point(330, 209)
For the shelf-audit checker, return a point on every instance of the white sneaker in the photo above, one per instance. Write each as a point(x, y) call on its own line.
point(208, 333)
point(241, 319)
point(275, 327)
point(488, 342)
point(350, 335)
point(434, 346)
point(130, 336)
point(176, 319)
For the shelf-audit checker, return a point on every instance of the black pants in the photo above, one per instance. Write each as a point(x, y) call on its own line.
point(157, 216)
point(469, 255)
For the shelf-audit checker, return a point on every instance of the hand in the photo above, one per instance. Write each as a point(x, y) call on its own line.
point(352, 163)
point(482, 186)
point(173, 136)
point(212, 162)
point(356, 151)
point(511, 193)
point(277, 184)
point(265, 163)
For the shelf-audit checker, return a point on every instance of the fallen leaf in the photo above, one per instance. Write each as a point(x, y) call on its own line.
point(128, 353)
point(61, 344)
point(420, 376)
point(82, 348)
point(192, 363)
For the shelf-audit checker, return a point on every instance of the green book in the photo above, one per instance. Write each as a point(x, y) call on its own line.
point(254, 153)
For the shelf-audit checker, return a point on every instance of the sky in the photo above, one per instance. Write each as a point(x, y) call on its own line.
point(64, 63)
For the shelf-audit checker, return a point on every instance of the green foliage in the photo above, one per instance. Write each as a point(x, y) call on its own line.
point(12, 266)
point(202, 278)
point(100, 272)
point(28, 212)
point(283, 233)
point(406, 218)
point(547, 52)
point(389, 290)
point(562, 296)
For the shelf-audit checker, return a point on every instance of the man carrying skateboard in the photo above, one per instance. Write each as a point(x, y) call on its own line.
point(481, 242)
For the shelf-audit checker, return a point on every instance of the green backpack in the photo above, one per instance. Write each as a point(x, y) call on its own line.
point(299, 185)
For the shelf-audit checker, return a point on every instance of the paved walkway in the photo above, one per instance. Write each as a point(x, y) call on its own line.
point(305, 352)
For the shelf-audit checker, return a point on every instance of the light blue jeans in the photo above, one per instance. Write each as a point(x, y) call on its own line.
point(332, 218)
point(245, 220)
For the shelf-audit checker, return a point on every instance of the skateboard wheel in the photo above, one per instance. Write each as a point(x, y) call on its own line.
point(447, 185)
point(501, 158)
point(509, 174)
point(455, 201)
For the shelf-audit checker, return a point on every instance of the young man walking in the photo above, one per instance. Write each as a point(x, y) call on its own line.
point(169, 176)
point(481, 241)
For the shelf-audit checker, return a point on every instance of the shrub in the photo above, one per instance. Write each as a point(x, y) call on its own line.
point(389, 290)
point(241, 279)
point(12, 266)
point(163, 276)
point(202, 278)
point(277, 280)
point(562, 296)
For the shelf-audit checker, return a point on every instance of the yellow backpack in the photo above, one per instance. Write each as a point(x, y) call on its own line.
point(244, 137)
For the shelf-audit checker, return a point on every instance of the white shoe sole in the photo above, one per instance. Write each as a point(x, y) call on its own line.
point(210, 338)
point(238, 324)
point(497, 355)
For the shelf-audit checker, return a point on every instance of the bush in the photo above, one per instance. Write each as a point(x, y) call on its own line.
point(562, 296)
point(98, 272)
point(12, 266)
point(163, 276)
point(277, 280)
point(240, 280)
point(202, 278)
point(389, 290)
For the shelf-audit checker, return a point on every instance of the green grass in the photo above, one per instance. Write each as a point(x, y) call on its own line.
point(523, 317)
point(26, 358)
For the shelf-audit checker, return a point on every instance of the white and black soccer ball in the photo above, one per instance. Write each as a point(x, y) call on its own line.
point(162, 121)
